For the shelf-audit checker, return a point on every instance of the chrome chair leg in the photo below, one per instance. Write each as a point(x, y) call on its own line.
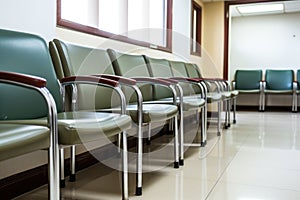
point(176, 146)
point(62, 168)
point(72, 163)
point(125, 195)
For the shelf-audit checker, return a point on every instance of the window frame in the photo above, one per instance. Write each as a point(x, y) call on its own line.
point(97, 32)
point(198, 40)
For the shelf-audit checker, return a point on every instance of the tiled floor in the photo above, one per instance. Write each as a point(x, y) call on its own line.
point(256, 159)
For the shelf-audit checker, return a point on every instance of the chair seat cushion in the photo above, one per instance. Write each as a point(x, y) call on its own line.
point(248, 91)
point(234, 93)
point(193, 102)
point(16, 139)
point(80, 127)
point(214, 97)
point(279, 91)
point(153, 112)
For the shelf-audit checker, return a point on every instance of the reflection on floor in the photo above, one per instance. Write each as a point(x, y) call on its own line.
point(256, 159)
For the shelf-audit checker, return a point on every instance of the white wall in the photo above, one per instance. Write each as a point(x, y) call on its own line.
point(39, 17)
point(33, 16)
point(265, 42)
point(269, 41)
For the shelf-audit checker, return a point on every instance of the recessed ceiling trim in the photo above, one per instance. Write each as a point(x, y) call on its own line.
point(261, 8)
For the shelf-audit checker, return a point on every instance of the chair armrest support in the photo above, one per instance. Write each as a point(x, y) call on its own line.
point(153, 80)
point(88, 80)
point(120, 79)
point(24, 79)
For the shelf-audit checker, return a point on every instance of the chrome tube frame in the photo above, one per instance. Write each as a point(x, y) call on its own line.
point(181, 134)
point(53, 156)
point(125, 194)
point(172, 87)
point(205, 83)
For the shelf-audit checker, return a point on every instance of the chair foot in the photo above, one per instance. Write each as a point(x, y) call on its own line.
point(72, 178)
point(219, 133)
point(62, 183)
point(181, 162)
point(176, 165)
point(234, 121)
point(226, 126)
point(203, 144)
point(138, 191)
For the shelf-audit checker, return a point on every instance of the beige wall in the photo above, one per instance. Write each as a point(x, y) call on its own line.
point(213, 38)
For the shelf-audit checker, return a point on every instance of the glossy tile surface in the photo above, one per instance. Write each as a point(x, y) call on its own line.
point(256, 159)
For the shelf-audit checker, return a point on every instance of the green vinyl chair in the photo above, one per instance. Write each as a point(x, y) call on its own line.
point(135, 67)
point(298, 87)
point(19, 139)
point(249, 82)
point(161, 68)
point(213, 94)
point(280, 82)
point(74, 59)
point(29, 54)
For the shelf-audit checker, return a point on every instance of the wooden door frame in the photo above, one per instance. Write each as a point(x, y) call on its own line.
point(227, 5)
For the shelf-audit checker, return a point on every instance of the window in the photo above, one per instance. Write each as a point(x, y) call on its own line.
point(196, 29)
point(142, 22)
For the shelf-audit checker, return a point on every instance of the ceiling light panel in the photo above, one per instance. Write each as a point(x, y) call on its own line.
point(261, 8)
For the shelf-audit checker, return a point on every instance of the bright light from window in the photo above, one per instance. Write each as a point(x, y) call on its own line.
point(262, 8)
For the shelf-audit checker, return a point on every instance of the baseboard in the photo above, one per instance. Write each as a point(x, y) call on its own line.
point(18, 184)
point(267, 108)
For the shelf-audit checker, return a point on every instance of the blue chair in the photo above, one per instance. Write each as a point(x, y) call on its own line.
point(280, 82)
point(249, 82)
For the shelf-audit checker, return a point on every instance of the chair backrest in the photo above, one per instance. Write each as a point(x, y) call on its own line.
point(160, 68)
point(279, 79)
point(29, 54)
point(178, 69)
point(129, 65)
point(247, 79)
point(70, 59)
point(192, 70)
point(298, 78)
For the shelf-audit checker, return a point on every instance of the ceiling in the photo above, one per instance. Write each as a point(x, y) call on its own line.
point(289, 7)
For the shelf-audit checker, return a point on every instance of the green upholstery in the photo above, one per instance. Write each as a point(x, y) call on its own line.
point(279, 80)
point(178, 69)
point(18, 139)
point(16, 53)
point(298, 79)
point(29, 54)
point(163, 68)
point(129, 65)
point(160, 68)
point(248, 80)
point(135, 66)
point(80, 127)
point(70, 60)
point(80, 60)
point(193, 72)
point(132, 66)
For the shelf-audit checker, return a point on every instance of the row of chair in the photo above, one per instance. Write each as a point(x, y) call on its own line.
point(68, 97)
point(272, 82)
